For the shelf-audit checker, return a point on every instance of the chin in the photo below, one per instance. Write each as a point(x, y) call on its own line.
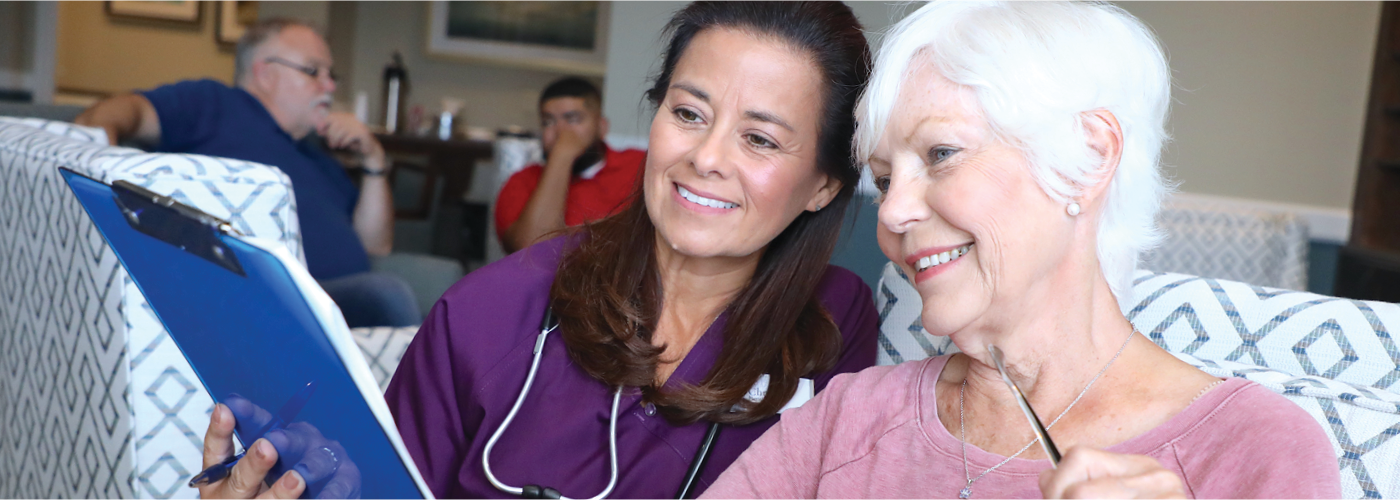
point(695, 247)
point(699, 244)
point(941, 317)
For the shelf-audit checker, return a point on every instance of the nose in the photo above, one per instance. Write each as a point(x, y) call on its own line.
point(548, 133)
point(709, 157)
point(328, 81)
point(904, 204)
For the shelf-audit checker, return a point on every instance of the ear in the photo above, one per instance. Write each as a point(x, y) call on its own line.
point(602, 128)
point(262, 77)
point(1105, 136)
point(825, 194)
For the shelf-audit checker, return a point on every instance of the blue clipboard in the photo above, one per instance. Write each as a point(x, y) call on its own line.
point(264, 339)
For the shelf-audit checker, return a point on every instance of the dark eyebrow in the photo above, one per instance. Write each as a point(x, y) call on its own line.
point(762, 116)
point(699, 94)
point(765, 116)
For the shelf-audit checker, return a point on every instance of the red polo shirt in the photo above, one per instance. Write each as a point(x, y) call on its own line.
point(603, 194)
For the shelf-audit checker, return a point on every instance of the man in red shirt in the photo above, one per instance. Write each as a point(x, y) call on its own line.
point(581, 180)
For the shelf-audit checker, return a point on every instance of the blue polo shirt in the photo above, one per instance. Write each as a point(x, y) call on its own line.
point(209, 118)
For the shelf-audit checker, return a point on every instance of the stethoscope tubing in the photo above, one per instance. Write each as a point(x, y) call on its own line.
point(697, 464)
point(548, 326)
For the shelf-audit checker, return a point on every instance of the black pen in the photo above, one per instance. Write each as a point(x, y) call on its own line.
point(284, 416)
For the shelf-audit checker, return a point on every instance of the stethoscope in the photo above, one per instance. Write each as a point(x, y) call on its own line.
point(549, 324)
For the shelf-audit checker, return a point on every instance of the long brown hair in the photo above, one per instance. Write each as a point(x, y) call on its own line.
point(607, 293)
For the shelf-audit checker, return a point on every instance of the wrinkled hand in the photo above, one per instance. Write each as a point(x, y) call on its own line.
point(246, 480)
point(1090, 473)
point(343, 132)
point(568, 147)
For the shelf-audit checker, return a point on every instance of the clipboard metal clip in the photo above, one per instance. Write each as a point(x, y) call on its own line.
point(187, 228)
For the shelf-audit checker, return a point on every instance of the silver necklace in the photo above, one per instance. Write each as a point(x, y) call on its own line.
point(962, 430)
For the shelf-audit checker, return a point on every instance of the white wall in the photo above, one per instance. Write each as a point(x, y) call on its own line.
point(497, 96)
point(1268, 102)
point(634, 56)
point(1269, 98)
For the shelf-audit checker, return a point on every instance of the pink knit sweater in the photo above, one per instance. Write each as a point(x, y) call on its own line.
point(876, 434)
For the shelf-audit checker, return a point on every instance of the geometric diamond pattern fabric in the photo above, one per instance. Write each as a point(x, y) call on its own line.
point(1336, 358)
point(1294, 332)
point(383, 347)
point(92, 135)
point(67, 420)
point(98, 400)
point(1224, 241)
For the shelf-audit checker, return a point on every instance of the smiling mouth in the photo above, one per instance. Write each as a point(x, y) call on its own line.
point(939, 259)
point(703, 201)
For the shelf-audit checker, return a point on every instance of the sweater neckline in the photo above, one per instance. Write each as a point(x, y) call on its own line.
point(944, 443)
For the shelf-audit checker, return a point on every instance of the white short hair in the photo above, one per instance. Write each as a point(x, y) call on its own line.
point(1035, 68)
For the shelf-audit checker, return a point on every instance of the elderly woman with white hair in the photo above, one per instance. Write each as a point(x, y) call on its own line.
point(1016, 147)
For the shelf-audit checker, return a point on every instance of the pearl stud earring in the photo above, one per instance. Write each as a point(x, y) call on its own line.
point(1072, 209)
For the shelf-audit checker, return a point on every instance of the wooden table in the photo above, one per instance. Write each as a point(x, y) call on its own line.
point(450, 162)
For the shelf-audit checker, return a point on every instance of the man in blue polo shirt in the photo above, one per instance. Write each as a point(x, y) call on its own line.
point(282, 95)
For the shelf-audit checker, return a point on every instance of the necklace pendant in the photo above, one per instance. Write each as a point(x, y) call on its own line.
point(966, 492)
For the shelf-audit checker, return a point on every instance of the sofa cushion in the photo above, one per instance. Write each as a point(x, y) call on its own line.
point(1218, 239)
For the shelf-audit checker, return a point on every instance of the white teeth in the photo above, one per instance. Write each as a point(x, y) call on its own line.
point(701, 200)
point(943, 258)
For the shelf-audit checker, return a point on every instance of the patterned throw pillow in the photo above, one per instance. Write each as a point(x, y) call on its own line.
point(140, 423)
point(1334, 357)
point(1225, 240)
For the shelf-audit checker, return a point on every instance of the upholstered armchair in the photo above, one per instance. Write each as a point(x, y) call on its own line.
point(97, 400)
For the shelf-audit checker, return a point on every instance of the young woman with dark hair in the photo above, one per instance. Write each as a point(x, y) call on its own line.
point(686, 322)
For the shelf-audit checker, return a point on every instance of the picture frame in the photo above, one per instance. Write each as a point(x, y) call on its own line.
point(233, 19)
point(568, 37)
point(183, 12)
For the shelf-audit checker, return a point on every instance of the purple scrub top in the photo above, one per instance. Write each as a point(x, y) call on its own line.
point(465, 368)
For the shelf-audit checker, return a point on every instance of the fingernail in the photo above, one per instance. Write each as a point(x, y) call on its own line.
point(263, 448)
point(291, 480)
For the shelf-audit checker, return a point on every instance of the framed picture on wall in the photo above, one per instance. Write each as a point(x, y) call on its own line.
point(562, 36)
point(178, 11)
point(234, 18)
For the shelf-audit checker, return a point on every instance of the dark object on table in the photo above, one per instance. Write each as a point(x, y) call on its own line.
point(395, 92)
